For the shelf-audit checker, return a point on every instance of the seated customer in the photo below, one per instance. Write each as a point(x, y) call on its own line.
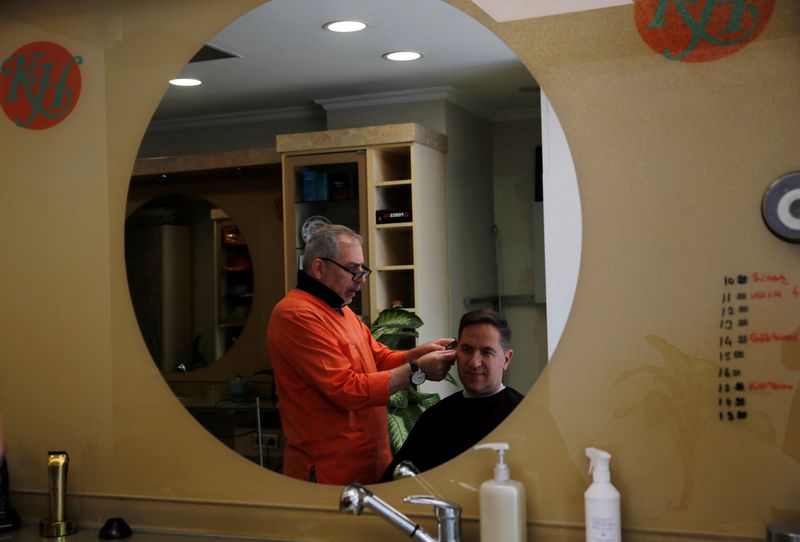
point(456, 423)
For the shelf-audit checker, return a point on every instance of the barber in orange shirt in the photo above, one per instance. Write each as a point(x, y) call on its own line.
point(333, 379)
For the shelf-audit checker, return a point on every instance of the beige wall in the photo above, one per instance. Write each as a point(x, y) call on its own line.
point(672, 159)
point(514, 145)
point(469, 191)
point(430, 114)
point(186, 138)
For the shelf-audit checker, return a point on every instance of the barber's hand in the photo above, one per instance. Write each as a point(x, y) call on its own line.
point(436, 364)
point(433, 346)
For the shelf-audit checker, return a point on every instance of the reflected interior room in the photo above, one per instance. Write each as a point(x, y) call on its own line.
point(219, 142)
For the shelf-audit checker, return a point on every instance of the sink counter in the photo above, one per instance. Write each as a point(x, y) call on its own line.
point(30, 533)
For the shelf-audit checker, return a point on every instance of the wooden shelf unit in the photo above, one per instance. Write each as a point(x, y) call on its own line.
point(401, 170)
point(233, 282)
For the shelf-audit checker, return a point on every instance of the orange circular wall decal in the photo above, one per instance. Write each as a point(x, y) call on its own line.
point(700, 30)
point(40, 83)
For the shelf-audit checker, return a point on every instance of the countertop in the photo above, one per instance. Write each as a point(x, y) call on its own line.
point(226, 402)
point(30, 533)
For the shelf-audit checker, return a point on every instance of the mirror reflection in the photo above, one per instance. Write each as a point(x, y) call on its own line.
point(191, 280)
point(467, 87)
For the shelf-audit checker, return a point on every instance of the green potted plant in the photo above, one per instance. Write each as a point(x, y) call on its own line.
point(394, 327)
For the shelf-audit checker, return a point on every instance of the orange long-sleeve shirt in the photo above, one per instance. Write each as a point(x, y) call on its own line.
point(332, 382)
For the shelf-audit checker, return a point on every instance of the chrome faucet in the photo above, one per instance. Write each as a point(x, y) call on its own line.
point(448, 515)
point(404, 469)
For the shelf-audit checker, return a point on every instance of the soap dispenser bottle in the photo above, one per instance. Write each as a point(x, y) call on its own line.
point(601, 500)
point(502, 502)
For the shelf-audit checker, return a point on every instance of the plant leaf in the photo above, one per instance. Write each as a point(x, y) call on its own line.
point(627, 410)
point(423, 400)
point(761, 426)
point(398, 399)
point(643, 369)
point(656, 407)
point(397, 318)
point(681, 363)
point(414, 395)
point(391, 337)
point(383, 332)
point(397, 432)
point(429, 401)
point(391, 327)
point(410, 416)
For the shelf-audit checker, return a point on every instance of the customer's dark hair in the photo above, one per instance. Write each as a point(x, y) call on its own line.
point(324, 242)
point(486, 316)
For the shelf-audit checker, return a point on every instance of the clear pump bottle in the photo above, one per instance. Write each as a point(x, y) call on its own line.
point(502, 502)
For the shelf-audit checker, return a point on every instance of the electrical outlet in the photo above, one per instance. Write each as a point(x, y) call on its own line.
point(269, 441)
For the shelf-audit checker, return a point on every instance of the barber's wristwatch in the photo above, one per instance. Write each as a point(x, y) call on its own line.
point(417, 376)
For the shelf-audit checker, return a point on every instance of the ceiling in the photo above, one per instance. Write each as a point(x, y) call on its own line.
point(284, 60)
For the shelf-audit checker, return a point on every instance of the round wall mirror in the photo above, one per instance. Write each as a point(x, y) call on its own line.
point(190, 276)
point(276, 70)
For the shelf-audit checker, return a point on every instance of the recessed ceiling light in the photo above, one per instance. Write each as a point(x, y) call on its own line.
point(402, 56)
point(185, 82)
point(345, 26)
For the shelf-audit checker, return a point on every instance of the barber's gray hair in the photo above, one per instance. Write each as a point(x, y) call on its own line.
point(324, 242)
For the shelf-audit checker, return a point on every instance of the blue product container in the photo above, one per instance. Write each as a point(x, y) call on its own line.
point(310, 186)
point(323, 194)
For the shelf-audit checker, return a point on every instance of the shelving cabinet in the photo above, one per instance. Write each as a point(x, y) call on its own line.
point(233, 281)
point(320, 187)
point(396, 201)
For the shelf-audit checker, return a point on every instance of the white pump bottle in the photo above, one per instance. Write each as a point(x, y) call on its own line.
point(502, 502)
point(601, 501)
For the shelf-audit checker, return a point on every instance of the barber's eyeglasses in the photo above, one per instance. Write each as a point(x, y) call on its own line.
point(357, 275)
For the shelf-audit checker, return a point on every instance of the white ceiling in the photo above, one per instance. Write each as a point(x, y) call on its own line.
point(289, 61)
